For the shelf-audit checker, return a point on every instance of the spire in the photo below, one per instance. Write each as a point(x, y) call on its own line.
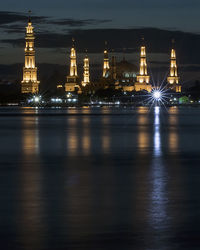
point(106, 65)
point(29, 16)
point(143, 41)
point(73, 42)
point(73, 65)
point(143, 61)
point(86, 71)
point(29, 28)
point(106, 45)
point(72, 83)
point(173, 63)
point(173, 78)
point(143, 79)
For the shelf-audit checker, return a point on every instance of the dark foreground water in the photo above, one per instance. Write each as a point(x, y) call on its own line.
point(100, 179)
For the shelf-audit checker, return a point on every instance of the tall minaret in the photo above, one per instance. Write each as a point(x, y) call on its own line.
point(143, 78)
point(73, 65)
point(72, 78)
point(86, 71)
point(106, 65)
point(173, 78)
point(30, 84)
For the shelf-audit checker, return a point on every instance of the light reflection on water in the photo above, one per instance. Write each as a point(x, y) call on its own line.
point(159, 195)
point(173, 130)
point(72, 137)
point(106, 134)
point(101, 179)
point(30, 209)
point(86, 144)
point(30, 136)
point(157, 137)
point(143, 133)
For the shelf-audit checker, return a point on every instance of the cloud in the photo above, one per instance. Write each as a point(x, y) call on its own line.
point(7, 17)
point(14, 22)
point(13, 28)
point(121, 41)
point(77, 23)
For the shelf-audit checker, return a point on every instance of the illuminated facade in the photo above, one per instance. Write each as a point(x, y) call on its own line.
point(173, 78)
point(86, 71)
point(72, 78)
point(29, 84)
point(106, 65)
point(143, 79)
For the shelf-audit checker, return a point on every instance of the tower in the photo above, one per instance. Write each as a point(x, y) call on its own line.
point(29, 84)
point(86, 71)
point(72, 78)
point(106, 65)
point(143, 79)
point(173, 78)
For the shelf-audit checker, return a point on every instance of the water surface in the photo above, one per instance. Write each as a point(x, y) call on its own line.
point(99, 178)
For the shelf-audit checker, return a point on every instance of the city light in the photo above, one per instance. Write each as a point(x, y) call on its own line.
point(157, 94)
point(36, 99)
point(56, 100)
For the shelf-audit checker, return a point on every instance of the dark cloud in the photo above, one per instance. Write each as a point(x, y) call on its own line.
point(12, 28)
point(7, 17)
point(14, 22)
point(157, 41)
point(77, 23)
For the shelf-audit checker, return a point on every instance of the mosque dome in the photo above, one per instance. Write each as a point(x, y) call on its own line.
point(125, 69)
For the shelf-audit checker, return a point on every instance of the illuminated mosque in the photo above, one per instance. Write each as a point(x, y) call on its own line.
point(122, 75)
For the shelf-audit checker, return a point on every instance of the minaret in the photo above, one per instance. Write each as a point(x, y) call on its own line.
point(86, 71)
point(30, 84)
point(72, 78)
point(143, 79)
point(73, 66)
point(173, 78)
point(106, 65)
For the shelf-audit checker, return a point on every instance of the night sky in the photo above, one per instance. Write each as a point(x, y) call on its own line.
point(91, 22)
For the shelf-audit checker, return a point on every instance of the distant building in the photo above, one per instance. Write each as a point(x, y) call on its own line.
point(30, 83)
point(123, 76)
point(173, 78)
